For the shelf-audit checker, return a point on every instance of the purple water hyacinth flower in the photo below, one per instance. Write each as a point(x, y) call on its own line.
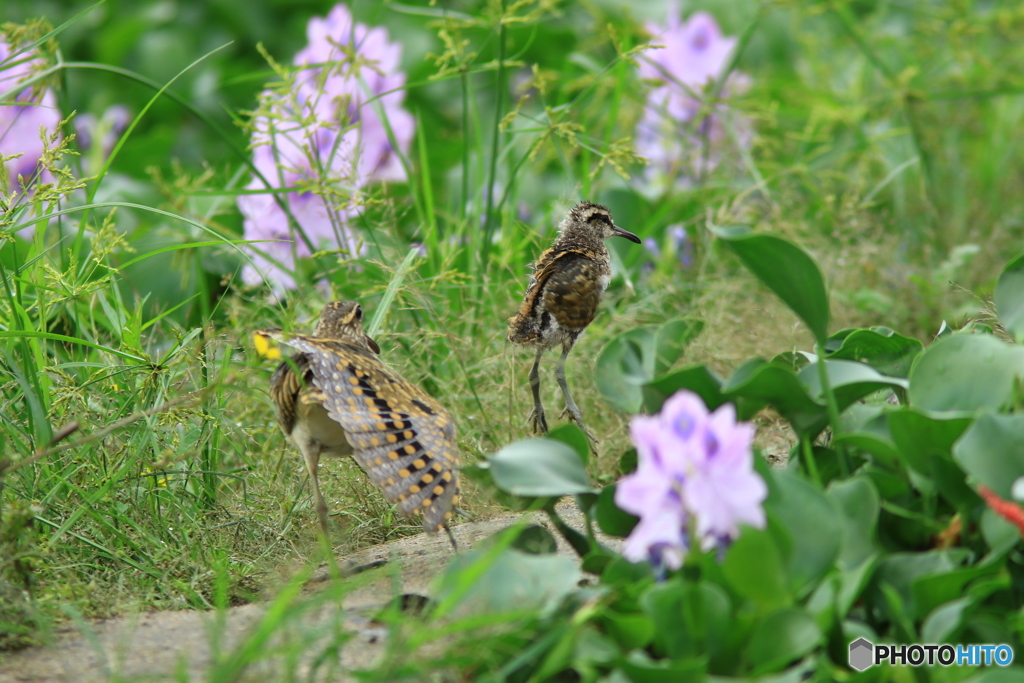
point(330, 130)
point(678, 147)
point(22, 115)
point(107, 129)
point(651, 245)
point(682, 244)
point(695, 475)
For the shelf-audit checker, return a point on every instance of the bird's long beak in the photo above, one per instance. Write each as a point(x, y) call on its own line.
point(619, 232)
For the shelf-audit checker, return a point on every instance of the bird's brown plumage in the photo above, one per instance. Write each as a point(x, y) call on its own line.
point(401, 437)
point(563, 295)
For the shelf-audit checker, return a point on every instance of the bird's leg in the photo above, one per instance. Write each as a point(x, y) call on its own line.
point(570, 405)
point(312, 455)
point(451, 538)
point(537, 421)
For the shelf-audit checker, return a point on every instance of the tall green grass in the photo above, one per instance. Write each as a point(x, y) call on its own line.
point(879, 146)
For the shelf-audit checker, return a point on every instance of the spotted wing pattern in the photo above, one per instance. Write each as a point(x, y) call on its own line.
point(400, 436)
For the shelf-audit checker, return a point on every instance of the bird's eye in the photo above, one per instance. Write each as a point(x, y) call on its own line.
point(359, 312)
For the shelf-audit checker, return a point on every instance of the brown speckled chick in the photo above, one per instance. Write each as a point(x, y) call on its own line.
point(335, 398)
point(565, 289)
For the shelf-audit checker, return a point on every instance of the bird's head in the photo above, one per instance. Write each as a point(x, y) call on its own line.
point(343, 321)
point(589, 220)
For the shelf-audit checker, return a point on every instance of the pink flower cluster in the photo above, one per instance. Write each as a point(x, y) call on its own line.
point(22, 115)
point(695, 477)
point(329, 131)
point(680, 143)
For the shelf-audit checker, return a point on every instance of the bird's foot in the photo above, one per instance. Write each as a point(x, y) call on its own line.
point(576, 417)
point(537, 421)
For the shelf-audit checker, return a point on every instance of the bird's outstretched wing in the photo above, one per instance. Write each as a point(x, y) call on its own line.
point(400, 436)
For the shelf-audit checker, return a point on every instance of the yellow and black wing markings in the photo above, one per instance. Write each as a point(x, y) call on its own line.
point(400, 436)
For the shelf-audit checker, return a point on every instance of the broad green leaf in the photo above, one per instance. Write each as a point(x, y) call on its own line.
point(689, 619)
point(511, 582)
point(850, 381)
point(671, 339)
point(813, 524)
point(610, 518)
point(635, 357)
point(998, 675)
point(787, 270)
point(942, 624)
point(852, 584)
point(754, 569)
point(572, 435)
point(1000, 535)
point(882, 450)
point(991, 451)
point(593, 647)
point(629, 629)
point(621, 572)
point(928, 592)
point(1009, 298)
point(535, 540)
point(639, 667)
point(539, 467)
point(857, 499)
point(965, 373)
point(886, 351)
point(780, 387)
point(620, 368)
point(924, 444)
point(897, 573)
point(699, 379)
point(782, 637)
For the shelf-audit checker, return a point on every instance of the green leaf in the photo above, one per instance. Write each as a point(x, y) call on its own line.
point(621, 572)
point(925, 443)
point(689, 619)
point(942, 624)
point(990, 451)
point(610, 519)
point(858, 500)
point(882, 450)
point(1010, 675)
point(640, 668)
point(535, 540)
point(754, 569)
point(780, 638)
point(631, 630)
point(767, 383)
point(787, 270)
point(965, 373)
point(620, 368)
point(511, 581)
point(539, 467)
point(881, 348)
point(1009, 298)
point(897, 573)
point(813, 525)
point(849, 380)
point(699, 379)
point(635, 357)
point(572, 435)
point(671, 339)
point(929, 592)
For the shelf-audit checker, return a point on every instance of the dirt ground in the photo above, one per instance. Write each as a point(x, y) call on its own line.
point(187, 645)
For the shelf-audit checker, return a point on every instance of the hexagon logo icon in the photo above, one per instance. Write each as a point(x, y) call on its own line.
point(862, 654)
